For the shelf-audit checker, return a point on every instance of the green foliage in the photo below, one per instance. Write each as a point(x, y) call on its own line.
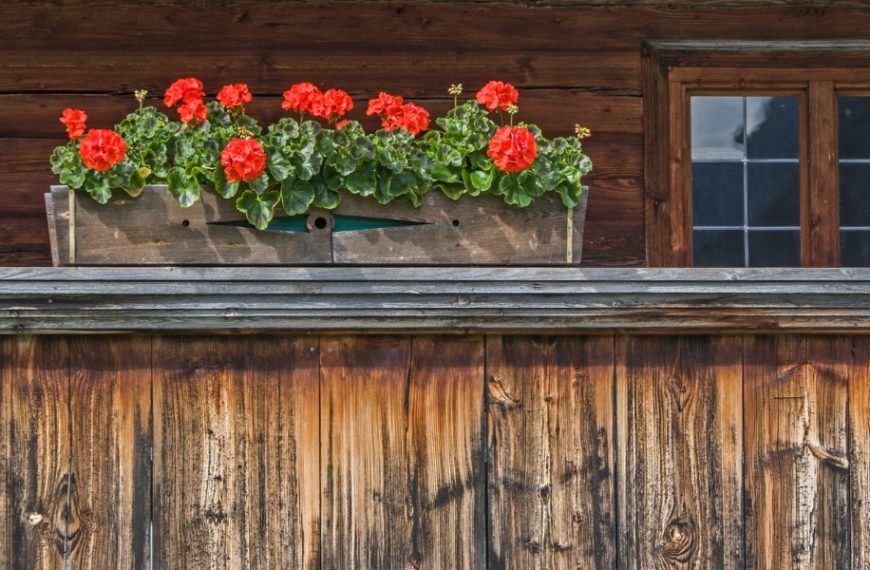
point(310, 166)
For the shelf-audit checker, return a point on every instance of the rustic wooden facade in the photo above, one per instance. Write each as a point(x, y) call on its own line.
point(373, 418)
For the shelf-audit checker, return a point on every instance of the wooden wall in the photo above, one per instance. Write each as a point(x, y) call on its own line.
point(574, 61)
point(435, 452)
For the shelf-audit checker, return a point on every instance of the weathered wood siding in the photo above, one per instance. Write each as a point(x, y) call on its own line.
point(434, 452)
point(574, 61)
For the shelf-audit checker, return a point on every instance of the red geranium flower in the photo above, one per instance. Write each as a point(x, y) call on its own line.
point(498, 95)
point(74, 119)
point(100, 149)
point(243, 159)
point(340, 124)
point(512, 149)
point(304, 98)
point(412, 118)
point(234, 95)
point(184, 90)
point(385, 104)
point(335, 104)
point(395, 113)
point(193, 110)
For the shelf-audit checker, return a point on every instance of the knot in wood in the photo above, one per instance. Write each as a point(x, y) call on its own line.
point(680, 542)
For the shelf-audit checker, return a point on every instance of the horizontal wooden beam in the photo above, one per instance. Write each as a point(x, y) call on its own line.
point(555, 300)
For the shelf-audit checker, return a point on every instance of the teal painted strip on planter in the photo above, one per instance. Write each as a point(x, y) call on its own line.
point(296, 224)
point(287, 224)
point(354, 223)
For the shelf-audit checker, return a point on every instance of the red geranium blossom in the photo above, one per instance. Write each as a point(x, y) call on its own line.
point(395, 113)
point(498, 95)
point(100, 149)
point(74, 119)
point(193, 110)
point(412, 118)
point(304, 98)
point(336, 103)
point(243, 159)
point(512, 149)
point(234, 95)
point(385, 104)
point(184, 90)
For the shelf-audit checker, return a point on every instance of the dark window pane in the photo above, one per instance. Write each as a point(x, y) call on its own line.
point(855, 248)
point(774, 248)
point(717, 128)
point(855, 194)
point(718, 248)
point(854, 127)
point(774, 194)
point(717, 194)
point(772, 127)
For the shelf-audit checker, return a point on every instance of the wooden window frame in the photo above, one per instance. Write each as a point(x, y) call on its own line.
point(818, 72)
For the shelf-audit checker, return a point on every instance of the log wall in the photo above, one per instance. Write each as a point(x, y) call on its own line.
point(574, 61)
point(605, 451)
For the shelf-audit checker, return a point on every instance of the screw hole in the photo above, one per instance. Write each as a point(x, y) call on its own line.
point(320, 223)
point(185, 223)
point(455, 223)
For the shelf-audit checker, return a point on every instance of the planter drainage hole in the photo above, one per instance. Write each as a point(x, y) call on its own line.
point(320, 223)
point(455, 223)
point(185, 223)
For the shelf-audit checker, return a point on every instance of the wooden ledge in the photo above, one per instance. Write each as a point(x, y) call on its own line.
point(558, 300)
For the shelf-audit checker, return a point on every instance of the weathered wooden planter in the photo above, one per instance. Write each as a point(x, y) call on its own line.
point(153, 230)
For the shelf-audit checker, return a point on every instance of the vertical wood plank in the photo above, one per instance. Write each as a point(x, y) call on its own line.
point(445, 426)
point(6, 525)
point(110, 483)
point(402, 453)
point(820, 224)
point(859, 449)
point(551, 474)
point(233, 482)
point(367, 516)
point(681, 453)
point(39, 451)
point(796, 461)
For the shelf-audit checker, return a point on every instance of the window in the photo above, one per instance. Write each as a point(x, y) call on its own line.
point(757, 155)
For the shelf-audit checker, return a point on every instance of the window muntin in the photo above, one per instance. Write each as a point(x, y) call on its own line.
point(745, 171)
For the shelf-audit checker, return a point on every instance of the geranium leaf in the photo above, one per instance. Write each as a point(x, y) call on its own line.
point(296, 196)
point(184, 188)
point(258, 209)
point(279, 167)
point(514, 194)
point(222, 186)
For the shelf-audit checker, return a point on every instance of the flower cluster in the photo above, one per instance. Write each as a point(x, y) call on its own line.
point(187, 91)
point(497, 95)
point(101, 149)
point(299, 163)
point(307, 98)
point(234, 96)
point(243, 159)
point(512, 149)
point(396, 114)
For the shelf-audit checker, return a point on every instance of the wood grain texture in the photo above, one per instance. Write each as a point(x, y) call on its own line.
point(859, 449)
point(679, 415)
point(40, 481)
point(466, 231)
point(396, 494)
point(6, 521)
point(456, 300)
point(110, 476)
point(797, 476)
point(551, 464)
point(821, 204)
point(234, 483)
